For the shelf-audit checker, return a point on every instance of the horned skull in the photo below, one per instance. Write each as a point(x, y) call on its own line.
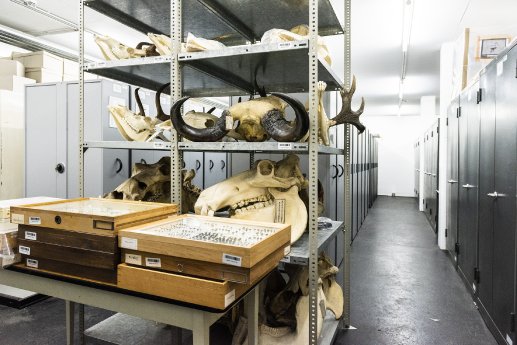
point(114, 50)
point(252, 194)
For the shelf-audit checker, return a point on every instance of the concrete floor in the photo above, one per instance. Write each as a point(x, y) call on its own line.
point(404, 291)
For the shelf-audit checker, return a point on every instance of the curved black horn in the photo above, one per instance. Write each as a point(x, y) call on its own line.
point(279, 128)
point(215, 133)
point(139, 102)
point(211, 110)
point(157, 100)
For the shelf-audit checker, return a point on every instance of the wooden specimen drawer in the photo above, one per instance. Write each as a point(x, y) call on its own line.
point(205, 269)
point(70, 270)
point(83, 257)
point(98, 216)
point(204, 292)
point(218, 240)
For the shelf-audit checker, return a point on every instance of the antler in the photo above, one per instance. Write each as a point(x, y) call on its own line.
point(347, 115)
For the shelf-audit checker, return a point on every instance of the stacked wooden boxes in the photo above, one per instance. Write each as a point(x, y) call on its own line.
point(78, 237)
point(200, 260)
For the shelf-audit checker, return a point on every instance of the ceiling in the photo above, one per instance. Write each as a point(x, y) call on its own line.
point(376, 40)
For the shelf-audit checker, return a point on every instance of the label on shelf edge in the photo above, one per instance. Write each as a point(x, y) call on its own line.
point(34, 221)
point(233, 260)
point(129, 243)
point(133, 259)
point(159, 145)
point(17, 218)
point(30, 235)
point(24, 250)
point(285, 146)
point(285, 45)
point(31, 263)
point(229, 298)
point(153, 262)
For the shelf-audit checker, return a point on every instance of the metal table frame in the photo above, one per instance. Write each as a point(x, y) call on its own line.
point(75, 295)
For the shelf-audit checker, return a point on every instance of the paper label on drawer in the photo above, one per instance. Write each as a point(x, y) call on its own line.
point(153, 262)
point(285, 45)
point(287, 250)
point(509, 340)
point(233, 260)
point(32, 263)
point(17, 218)
point(134, 259)
point(24, 250)
point(34, 220)
point(129, 243)
point(29, 235)
point(229, 298)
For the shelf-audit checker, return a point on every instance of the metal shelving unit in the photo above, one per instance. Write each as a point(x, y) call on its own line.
point(291, 68)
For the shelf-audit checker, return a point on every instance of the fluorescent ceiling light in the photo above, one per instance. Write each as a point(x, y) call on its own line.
point(408, 24)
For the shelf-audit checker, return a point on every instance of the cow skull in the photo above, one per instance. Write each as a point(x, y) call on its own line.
point(252, 194)
point(114, 50)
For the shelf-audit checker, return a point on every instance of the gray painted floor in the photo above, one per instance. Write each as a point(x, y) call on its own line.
point(404, 289)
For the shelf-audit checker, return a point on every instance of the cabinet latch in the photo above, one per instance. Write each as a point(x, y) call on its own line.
point(457, 248)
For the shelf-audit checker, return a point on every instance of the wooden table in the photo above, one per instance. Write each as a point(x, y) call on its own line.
point(77, 295)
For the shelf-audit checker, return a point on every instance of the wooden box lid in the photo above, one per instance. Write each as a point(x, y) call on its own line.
point(93, 215)
point(227, 241)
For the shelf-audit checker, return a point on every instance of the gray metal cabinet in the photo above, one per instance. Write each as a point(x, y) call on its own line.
point(215, 168)
point(195, 161)
point(452, 177)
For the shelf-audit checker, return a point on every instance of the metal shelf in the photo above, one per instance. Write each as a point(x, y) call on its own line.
point(130, 145)
point(266, 147)
point(279, 67)
point(300, 249)
point(231, 21)
point(329, 330)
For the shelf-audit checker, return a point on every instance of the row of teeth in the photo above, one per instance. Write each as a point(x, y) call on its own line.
point(243, 203)
point(255, 206)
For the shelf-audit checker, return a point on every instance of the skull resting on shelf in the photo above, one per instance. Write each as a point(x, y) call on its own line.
point(114, 50)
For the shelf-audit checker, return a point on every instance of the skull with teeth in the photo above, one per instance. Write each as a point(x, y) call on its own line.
point(253, 194)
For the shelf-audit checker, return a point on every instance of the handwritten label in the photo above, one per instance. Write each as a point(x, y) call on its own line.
point(17, 218)
point(153, 262)
point(32, 263)
point(29, 235)
point(24, 250)
point(134, 259)
point(233, 260)
point(279, 210)
point(34, 220)
point(229, 298)
point(129, 243)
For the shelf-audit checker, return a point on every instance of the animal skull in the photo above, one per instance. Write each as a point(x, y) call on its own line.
point(252, 194)
point(163, 43)
point(114, 50)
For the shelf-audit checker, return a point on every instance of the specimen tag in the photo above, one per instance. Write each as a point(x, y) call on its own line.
point(17, 218)
point(129, 243)
point(32, 263)
point(229, 122)
point(153, 262)
point(229, 298)
point(285, 146)
point(233, 260)
point(285, 45)
point(134, 259)
point(29, 235)
point(279, 210)
point(24, 250)
point(34, 220)
point(159, 145)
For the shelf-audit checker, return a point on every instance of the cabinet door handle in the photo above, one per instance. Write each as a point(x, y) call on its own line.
point(60, 168)
point(493, 195)
point(211, 164)
point(337, 171)
point(468, 186)
point(223, 164)
point(183, 164)
point(120, 165)
point(452, 181)
point(198, 164)
point(342, 170)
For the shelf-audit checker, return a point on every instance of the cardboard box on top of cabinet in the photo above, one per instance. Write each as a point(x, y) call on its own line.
point(42, 75)
point(11, 67)
point(14, 83)
point(40, 59)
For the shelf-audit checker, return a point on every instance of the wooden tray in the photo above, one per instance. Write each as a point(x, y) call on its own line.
point(98, 216)
point(218, 240)
point(102, 243)
point(83, 257)
point(70, 270)
point(205, 292)
point(203, 269)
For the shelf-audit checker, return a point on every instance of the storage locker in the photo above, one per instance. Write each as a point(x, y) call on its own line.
point(215, 168)
point(340, 188)
point(452, 177)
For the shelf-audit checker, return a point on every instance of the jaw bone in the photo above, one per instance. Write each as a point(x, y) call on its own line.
point(131, 126)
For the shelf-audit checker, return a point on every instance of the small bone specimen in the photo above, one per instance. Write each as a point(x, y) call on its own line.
point(197, 44)
point(253, 194)
point(298, 33)
point(163, 43)
point(114, 50)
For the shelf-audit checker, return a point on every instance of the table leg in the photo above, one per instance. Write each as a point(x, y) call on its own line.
point(251, 302)
point(200, 329)
point(70, 322)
